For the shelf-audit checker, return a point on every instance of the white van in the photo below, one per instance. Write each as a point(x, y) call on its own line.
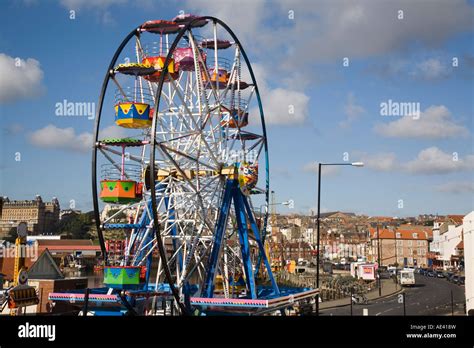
point(406, 277)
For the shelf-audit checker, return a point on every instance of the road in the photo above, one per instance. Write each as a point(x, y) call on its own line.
point(430, 296)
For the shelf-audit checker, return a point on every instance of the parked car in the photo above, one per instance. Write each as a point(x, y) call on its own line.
point(459, 280)
point(439, 274)
point(431, 274)
point(448, 276)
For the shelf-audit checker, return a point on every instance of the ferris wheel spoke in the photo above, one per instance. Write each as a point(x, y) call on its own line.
point(103, 150)
point(192, 186)
point(198, 261)
point(168, 149)
point(119, 87)
point(191, 116)
point(184, 105)
point(120, 210)
point(111, 160)
point(233, 72)
point(200, 86)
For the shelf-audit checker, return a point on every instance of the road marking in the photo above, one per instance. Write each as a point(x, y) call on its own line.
point(388, 310)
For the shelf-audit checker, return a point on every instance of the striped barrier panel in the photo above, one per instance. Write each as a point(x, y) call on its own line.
point(72, 297)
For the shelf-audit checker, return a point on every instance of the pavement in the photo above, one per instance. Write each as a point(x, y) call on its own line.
point(389, 287)
point(429, 296)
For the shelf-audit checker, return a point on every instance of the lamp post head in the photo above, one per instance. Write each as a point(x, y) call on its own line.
point(357, 164)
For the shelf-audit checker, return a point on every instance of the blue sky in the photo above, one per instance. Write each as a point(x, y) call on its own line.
point(297, 49)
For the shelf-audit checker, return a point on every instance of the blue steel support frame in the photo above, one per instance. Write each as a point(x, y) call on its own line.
point(208, 288)
point(244, 215)
point(137, 236)
point(262, 255)
point(244, 241)
point(145, 221)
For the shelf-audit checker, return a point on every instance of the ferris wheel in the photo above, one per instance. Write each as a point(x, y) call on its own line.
point(187, 164)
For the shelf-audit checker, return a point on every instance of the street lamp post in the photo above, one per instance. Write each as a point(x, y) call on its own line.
point(318, 255)
point(379, 281)
point(396, 258)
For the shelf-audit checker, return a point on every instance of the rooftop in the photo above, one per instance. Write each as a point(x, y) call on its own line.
point(413, 234)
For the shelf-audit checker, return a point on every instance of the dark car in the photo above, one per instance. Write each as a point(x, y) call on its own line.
point(439, 274)
point(459, 280)
point(456, 279)
point(431, 274)
point(448, 275)
point(452, 278)
point(423, 271)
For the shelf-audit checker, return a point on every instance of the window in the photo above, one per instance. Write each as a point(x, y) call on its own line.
point(415, 235)
point(410, 243)
point(399, 235)
point(410, 260)
point(399, 242)
point(400, 251)
point(410, 251)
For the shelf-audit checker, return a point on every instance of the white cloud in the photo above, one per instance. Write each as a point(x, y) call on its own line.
point(458, 187)
point(351, 110)
point(384, 162)
point(20, 79)
point(283, 106)
point(280, 105)
point(52, 137)
point(245, 20)
point(61, 138)
point(429, 161)
point(434, 122)
point(112, 132)
point(365, 28)
point(335, 29)
point(431, 69)
point(434, 161)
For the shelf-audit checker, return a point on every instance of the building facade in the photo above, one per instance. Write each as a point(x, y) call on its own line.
point(447, 243)
point(406, 247)
point(40, 216)
point(468, 233)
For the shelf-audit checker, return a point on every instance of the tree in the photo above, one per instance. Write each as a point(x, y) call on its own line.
point(76, 226)
point(119, 217)
point(11, 235)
